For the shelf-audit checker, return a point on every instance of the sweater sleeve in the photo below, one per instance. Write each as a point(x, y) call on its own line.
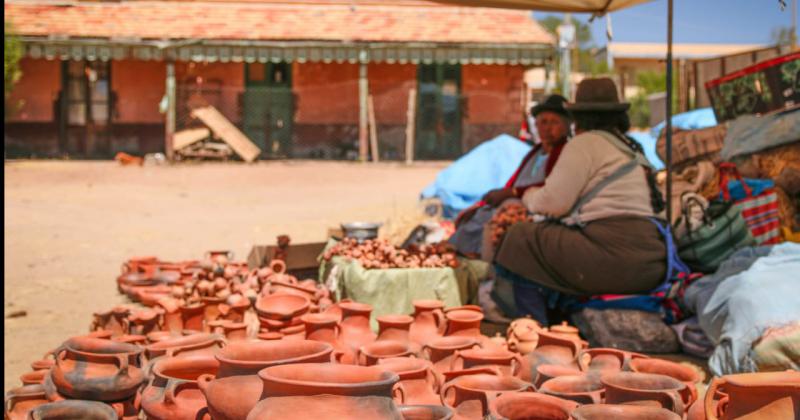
point(565, 183)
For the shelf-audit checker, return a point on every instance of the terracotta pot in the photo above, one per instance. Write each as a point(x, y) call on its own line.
point(158, 336)
point(607, 359)
point(269, 335)
point(333, 407)
point(394, 328)
point(210, 310)
point(683, 373)
point(295, 332)
point(626, 387)
point(230, 398)
point(202, 343)
point(43, 364)
point(19, 401)
point(417, 379)
point(464, 322)
point(425, 412)
point(507, 362)
point(325, 328)
point(281, 287)
point(249, 357)
point(281, 307)
point(73, 409)
point(555, 350)
point(131, 339)
point(767, 395)
point(102, 334)
point(523, 335)
point(33, 378)
point(127, 409)
point(144, 322)
point(565, 330)
point(172, 317)
point(584, 389)
point(102, 370)
point(530, 405)
point(133, 265)
point(429, 321)
point(441, 351)
point(114, 320)
point(546, 372)
point(50, 390)
point(369, 354)
point(622, 412)
point(355, 329)
point(173, 392)
point(237, 310)
point(481, 387)
point(192, 316)
point(305, 379)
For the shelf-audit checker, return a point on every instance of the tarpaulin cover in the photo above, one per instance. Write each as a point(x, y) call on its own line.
point(485, 167)
point(750, 134)
point(691, 120)
point(648, 143)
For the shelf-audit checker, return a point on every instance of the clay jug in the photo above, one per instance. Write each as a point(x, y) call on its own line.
point(248, 357)
point(482, 388)
point(523, 335)
point(328, 407)
point(464, 322)
point(73, 409)
point(530, 405)
point(507, 362)
point(765, 395)
point(425, 412)
point(281, 307)
point(192, 316)
point(325, 328)
point(20, 400)
point(230, 398)
point(555, 350)
point(394, 328)
point(607, 359)
point(369, 354)
point(173, 392)
point(96, 369)
point(356, 331)
point(420, 385)
point(683, 373)
point(441, 351)
point(584, 389)
point(546, 372)
point(627, 387)
point(429, 321)
point(622, 412)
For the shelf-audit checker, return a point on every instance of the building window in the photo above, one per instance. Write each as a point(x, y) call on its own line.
point(88, 93)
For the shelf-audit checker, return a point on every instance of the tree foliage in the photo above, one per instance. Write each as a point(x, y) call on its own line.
point(12, 55)
point(650, 82)
point(783, 35)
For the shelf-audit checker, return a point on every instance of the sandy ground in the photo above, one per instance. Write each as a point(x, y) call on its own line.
point(70, 224)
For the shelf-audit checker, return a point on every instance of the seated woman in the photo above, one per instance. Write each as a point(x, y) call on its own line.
point(598, 235)
point(552, 123)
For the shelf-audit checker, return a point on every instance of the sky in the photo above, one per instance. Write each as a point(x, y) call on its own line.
point(695, 21)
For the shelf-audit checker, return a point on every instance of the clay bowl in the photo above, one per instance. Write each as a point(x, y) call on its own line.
point(425, 412)
point(480, 386)
point(247, 357)
point(33, 378)
point(622, 412)
point(584, 389)
point(626, 387)
point(19, 401)
point(406, 367)
point(368, 355)
point(73, 409)
point(326, 378)
point(281, 307)
point(546, 372)
point(158, 336)
point(530, 405)
point(678, 371)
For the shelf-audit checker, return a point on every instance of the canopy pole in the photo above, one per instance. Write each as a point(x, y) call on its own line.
point(668, 126)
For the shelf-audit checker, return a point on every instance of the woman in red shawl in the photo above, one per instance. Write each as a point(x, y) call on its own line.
point(552, 123)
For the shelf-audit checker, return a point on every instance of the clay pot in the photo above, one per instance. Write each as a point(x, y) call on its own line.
point(523, 335)
point(464, 322)
point(144, 322)
point(369, 354)
point(102, 370)
point(114, 320)
point(507, 362)
point(210, 310)
point(131, 339)
point(295, 332)
point(394, 327)
point(546, 372)
point(158, 336)
point(192, 316)
point(249, 357)
point(607, 359)
point(622, 412)
point(334, 407)
point(73, 409)
point(281, 307)
point(309, 379)
point(626, 387)
point(481, 387)
point(425, 412)
point(530, 405)
point(768, 395)
point(43, 364)
point(565, 330)
point(230, 398)
point(134, 265)
point(429, 321)
point(173, 392)
point(128, 409)
point(19, 401)
point(685, 374)
point(325, 328)
point(33, 378)
point(202, 343)
point(269, 336)
point(102, 334)
point(172, 316)
point(420, 385)
point(441, 351)
point(355, 329)
point(237, 309)
point(282, 287)
point(584, 389)
point(555, 350)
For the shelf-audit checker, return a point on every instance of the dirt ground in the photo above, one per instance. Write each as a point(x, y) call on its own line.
point(70, 224)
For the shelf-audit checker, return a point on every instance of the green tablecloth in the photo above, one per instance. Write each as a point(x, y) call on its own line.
point(391, 291)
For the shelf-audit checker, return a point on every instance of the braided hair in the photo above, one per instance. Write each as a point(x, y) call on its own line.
point(618, 123)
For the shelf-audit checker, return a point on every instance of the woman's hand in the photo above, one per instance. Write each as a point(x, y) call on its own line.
point(496, 197)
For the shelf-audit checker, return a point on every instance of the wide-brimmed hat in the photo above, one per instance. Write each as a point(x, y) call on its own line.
point(597, 95)
point(553, 103)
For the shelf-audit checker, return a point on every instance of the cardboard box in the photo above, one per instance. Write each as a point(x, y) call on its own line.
point(301, 259)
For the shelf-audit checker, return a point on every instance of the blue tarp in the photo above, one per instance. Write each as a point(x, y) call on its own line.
point(485, 167)
point(648, 142)
point(691, 120)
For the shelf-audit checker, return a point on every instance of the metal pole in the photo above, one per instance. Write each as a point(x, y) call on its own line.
point(794, 24)
point(363, 92)
point(171, 108)
point(668, 125)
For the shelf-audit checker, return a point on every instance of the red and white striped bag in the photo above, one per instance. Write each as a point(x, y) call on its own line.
point(759, 211)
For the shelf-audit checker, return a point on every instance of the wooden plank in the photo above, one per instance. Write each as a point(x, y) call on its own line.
point(373, 130)
point(185, 138)
point(228, 132)
point(410, 124)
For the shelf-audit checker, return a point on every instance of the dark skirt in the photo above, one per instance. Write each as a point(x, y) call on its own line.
point(618, 255)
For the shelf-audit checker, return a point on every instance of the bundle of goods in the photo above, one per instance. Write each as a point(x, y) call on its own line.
point(379, 253)
point(505, 217)
point(433, 363)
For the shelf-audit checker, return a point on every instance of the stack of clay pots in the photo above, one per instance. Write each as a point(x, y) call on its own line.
point(306, 357)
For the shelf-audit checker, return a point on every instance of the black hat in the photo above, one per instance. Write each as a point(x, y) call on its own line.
point(597, 95)
point(553, 103)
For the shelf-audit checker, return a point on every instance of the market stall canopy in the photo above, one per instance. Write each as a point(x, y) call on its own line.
point(578, 6)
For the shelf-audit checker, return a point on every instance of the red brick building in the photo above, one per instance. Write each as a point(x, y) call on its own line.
point(296, 77)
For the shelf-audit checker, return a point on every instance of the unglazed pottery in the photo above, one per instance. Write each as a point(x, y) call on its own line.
point(429, 321)
point(530, 405)
point(419, 383)
point(622, 412)
point(584, 389)
point(481, 387)
point(73, 409)
point(230, 398)
point(627, 387)
point(173, 393)
point(247, 357)
point(355, 330)
point(757, 396)
point(19, 401)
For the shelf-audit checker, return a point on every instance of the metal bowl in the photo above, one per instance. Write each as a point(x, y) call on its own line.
point(361, 231)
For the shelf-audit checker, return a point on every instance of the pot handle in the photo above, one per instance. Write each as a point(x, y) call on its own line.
point(398, 389)
point(203, 381)
point(516, 364)
point(486, 399)
point(123, 364)
point(709, 400)
point(443, 394)
point(336, 356)
point(359, 353)
point(425, 352)
point(677, 402)
point(689, 395)
point(172, 390)
point(457, 355)
point(441, 321)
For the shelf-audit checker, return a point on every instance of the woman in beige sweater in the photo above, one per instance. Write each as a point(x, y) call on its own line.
point(595, 235)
